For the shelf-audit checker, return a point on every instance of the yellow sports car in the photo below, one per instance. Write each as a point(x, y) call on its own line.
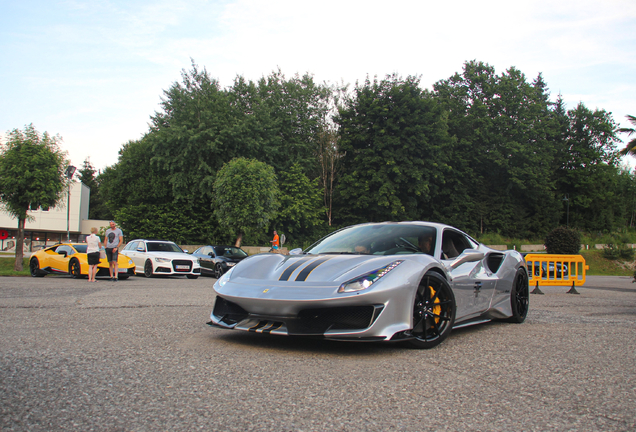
point(70, 258)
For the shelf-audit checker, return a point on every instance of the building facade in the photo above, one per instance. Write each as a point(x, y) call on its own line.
point(46, 227)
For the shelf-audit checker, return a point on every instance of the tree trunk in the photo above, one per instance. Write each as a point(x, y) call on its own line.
point(19, 245)
point(239, 239)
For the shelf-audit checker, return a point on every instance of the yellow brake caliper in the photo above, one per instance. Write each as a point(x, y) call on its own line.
point(437, 309)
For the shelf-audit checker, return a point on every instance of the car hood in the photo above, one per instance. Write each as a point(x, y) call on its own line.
point(315, 269)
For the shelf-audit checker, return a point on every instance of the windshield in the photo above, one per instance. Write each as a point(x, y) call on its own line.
point(378, 239)
point(229, 252)
point(80, 248)
point(162, 247)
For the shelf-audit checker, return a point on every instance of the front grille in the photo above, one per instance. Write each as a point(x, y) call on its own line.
point(308, 322)
point(338, 318)
point(178, 263)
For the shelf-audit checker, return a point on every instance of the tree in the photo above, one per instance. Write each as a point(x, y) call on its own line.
point(246, 196)
point(393, 138)
point(502, 162)
point(301, 210)
point(631, 145)
point(201, 126)
point(31, 176)
point(589, 172)
point(87, 176)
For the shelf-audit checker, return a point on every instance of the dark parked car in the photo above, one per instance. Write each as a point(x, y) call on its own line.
point(561, 270)
point(216, 260)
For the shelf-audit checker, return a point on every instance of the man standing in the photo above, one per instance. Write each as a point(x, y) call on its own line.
point(275, 242)
point(114, 237)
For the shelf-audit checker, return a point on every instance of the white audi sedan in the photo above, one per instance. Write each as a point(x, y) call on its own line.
point(161, 257)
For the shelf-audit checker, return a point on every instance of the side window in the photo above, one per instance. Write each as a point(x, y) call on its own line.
point(453, 244)
point(132, 246)
point(66, 249)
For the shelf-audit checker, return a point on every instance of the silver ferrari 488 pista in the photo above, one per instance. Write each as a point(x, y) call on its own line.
point(390, 281)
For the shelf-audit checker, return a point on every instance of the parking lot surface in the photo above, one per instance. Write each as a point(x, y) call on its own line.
point(136, 355)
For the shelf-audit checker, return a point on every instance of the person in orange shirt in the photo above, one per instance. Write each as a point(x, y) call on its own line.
point(275, 242)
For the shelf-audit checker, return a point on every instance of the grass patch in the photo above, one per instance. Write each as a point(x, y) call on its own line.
point(7, 264)
point(600, 266)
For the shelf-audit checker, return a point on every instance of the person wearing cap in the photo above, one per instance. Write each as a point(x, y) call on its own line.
point(113, 238)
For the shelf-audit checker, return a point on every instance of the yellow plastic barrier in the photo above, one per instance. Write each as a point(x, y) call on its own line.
point(556, 270)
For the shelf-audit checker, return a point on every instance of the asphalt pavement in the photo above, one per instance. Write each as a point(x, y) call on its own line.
point(136, 355)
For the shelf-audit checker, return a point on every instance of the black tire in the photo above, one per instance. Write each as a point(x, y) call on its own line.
point(34, 268)
point(192, 276)
point(218, 270)
point(74, 269)
point(148, 272)
point(433, 312)
point(519, 297)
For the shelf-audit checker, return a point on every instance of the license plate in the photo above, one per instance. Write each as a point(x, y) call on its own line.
point(182, 267)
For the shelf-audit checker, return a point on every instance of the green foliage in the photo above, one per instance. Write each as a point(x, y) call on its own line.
point(563, 240)
point(97, 209)
point(599, 266)
point(630, 148)
point(393, 139)
point(31, 176)
point(134, 179)
point(7, 267)
point(501, 164)
point(201, 127)
point(164, 221)
point(588, 174)
point(246, 196)
point(31, 171)
point(486, 152)
point(301, 211)
point(615, 251)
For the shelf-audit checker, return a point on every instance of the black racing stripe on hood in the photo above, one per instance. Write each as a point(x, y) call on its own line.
point(305, 272)
point(289, 270)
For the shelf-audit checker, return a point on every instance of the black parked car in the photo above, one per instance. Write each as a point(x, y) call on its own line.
point(216, 260)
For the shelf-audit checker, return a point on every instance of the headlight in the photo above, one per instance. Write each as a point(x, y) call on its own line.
point(162, 260)
point(368, 279)
point(130, 262)
point(225, 278)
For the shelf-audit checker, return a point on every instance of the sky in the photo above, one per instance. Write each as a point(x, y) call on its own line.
point(94, 71)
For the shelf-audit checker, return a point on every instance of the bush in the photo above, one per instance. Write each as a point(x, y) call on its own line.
point(563, 240)
point(615, 251)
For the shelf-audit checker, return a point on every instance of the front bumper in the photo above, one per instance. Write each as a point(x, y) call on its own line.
point(382, 313)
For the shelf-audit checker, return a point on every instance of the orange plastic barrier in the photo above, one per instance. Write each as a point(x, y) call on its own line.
point(556, 270)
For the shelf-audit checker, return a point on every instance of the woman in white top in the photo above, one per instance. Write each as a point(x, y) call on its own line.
point(92, 252)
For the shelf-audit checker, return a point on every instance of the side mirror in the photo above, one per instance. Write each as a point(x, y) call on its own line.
point(185, 250)
point(141, 249)
point(469, 255)
point(63, 253)
point(296, 251)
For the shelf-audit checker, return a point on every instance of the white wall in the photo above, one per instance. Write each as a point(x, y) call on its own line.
point(55, 218)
